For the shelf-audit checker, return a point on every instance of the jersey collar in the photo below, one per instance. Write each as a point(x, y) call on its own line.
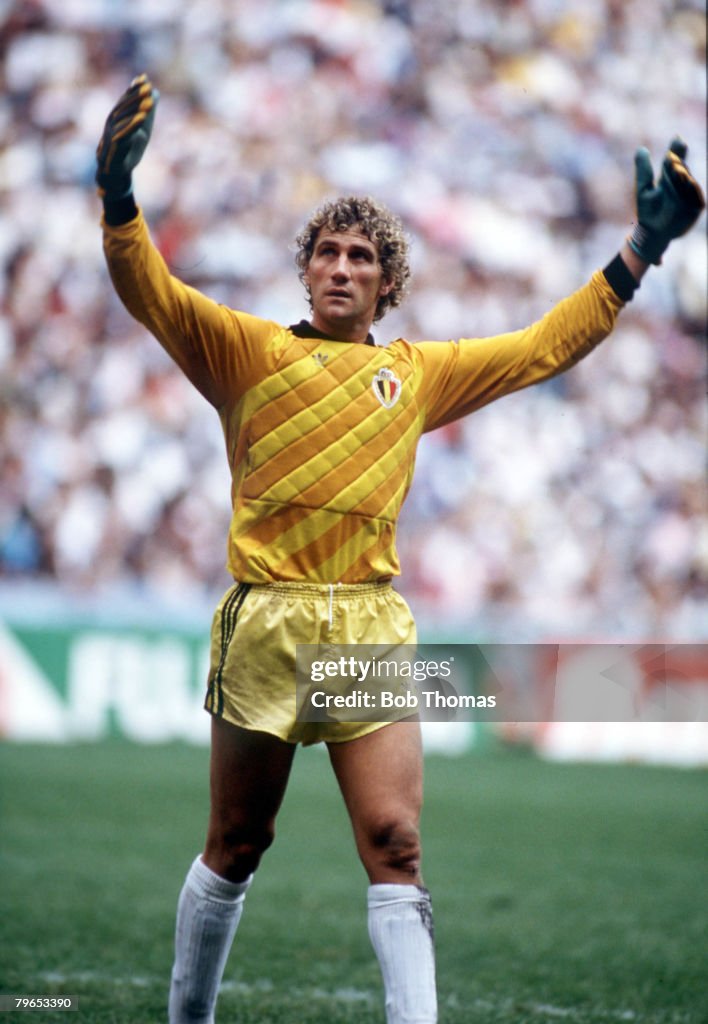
point(305, 330)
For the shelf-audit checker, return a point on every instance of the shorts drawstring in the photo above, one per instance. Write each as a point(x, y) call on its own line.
point(256, 646)
point(296, 590)
point(330, 616)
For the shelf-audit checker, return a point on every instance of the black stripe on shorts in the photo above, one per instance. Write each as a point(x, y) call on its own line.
point(214, 702)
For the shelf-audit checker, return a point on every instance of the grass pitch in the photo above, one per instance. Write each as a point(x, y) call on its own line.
point(562, 892)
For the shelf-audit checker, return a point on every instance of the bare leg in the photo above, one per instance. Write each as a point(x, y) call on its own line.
point(248, 778)
point(249, 773)
point(381, 778)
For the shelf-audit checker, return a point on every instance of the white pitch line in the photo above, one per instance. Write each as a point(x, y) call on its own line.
point(547, 1010)
point(244, 989)
point(345, 996)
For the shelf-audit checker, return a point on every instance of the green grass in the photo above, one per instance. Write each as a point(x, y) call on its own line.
point(562, 893)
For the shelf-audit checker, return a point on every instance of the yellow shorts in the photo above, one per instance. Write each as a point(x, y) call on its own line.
point(254, 635)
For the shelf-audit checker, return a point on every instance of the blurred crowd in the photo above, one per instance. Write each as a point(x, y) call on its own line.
point(503, 133)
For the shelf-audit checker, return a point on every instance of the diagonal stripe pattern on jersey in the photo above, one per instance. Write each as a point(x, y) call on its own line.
point(321, 435)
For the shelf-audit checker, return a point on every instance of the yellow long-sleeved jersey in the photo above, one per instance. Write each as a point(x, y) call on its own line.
point(321, 435)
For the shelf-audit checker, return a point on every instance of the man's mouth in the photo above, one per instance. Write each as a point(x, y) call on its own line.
point(338, 293)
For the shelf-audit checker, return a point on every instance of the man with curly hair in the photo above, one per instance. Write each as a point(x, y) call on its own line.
point(365, 217)
point(321, 427)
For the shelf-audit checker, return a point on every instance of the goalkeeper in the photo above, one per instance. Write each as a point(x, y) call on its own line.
point(321, 427)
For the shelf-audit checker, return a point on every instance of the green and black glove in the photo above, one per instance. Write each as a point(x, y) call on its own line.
point(125, 137)
point(665, 210)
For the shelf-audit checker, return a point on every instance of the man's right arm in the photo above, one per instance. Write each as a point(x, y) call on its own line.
point(201, 336)
point(214, 346)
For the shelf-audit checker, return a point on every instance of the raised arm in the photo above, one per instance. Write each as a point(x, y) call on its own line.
point(466, 375)
point(213, 345)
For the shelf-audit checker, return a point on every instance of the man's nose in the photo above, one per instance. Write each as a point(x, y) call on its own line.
point(341, 270)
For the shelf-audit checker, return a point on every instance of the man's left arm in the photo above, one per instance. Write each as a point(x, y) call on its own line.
point(464, 376)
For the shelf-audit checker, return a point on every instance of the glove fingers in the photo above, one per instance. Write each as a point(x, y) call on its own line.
point(132, 121)
point(128, 99)
point(683, 181)
point(126, 132)
point(132, 100)
point(668, 210)
point(643, 170)
point(679, 147)
point(135, 107)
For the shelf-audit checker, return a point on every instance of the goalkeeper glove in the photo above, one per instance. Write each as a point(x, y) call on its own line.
point(125, 137)
point(665, 210)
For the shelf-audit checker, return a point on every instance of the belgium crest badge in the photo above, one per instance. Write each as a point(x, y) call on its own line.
point(387, 387)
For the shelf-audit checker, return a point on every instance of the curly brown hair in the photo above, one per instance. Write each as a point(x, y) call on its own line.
point(379, 225)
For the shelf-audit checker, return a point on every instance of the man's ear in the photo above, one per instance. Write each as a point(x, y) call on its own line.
point(386, 287)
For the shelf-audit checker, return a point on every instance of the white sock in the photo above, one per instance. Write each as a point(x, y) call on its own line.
point(401, 931)
point(208, 913)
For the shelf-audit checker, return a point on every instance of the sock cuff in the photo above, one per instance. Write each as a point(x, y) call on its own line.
point(387, 894)
point(206, 883)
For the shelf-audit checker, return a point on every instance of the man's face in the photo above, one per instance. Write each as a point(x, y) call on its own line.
point(345, 279)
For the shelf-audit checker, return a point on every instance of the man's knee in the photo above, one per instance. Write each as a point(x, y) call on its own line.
point(394, 845)
point(235, 852)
